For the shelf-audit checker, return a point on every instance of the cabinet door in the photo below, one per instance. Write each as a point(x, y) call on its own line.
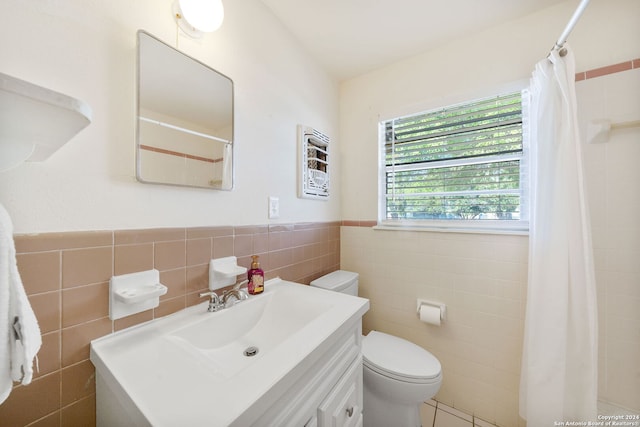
point(343, 406)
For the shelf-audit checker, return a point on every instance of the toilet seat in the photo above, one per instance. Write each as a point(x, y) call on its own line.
point(399, 359)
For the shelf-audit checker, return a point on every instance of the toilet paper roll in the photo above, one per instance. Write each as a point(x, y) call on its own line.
point(430, 314)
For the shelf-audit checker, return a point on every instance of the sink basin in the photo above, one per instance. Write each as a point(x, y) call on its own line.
point(233, 338)
point(238, 360)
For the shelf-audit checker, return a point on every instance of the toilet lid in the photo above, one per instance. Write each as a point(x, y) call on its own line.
point(399, 358)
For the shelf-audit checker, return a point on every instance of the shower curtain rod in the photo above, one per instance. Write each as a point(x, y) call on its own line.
point(572, 22)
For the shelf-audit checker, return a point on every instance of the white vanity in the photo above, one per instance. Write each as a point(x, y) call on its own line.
point(288, 357)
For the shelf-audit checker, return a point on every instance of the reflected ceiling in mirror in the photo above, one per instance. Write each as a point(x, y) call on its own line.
point(185, 119)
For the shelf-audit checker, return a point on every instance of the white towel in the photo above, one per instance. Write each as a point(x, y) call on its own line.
point(20, 337)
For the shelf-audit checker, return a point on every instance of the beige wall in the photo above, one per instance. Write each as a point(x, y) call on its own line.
point(482, 278)
point(87, 50)
point(501, 58)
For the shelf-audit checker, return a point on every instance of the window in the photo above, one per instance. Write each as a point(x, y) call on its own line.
point(460, 166)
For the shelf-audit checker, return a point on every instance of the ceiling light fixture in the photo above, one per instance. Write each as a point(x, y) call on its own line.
point(195, 17)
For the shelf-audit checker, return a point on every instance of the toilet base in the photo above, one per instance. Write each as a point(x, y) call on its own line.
point(379, 412)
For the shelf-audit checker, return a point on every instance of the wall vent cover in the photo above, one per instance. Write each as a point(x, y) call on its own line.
point(313, 162)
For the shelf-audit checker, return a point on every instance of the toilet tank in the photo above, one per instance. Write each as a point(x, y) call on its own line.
point(338, 281)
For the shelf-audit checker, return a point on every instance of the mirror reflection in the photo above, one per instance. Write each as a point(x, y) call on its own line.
point(185, 119)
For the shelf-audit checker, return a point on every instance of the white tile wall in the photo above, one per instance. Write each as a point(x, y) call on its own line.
point(482, 280)
point(613, 184)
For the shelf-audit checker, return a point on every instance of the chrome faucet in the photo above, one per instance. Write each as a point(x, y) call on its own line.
point(215, 303)
point(235, 292)
point(227, 295)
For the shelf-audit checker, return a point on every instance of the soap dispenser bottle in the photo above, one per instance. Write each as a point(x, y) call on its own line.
point(255, 276)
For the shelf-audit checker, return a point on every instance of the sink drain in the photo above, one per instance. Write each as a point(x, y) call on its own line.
point(251, 351)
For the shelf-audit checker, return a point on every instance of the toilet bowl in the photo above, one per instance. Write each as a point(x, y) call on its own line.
point(398, 375)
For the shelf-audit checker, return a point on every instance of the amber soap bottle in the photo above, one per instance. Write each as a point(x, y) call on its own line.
point(255, 276)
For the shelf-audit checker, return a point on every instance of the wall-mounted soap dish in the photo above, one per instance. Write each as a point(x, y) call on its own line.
point(224, 271)
point(134, 292)
point(139, 294)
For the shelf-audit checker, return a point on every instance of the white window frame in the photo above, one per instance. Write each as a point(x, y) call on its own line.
point(520, 226)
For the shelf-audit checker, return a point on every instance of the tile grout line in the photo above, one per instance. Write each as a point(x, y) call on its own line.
point(435, 415)
point(473, 417)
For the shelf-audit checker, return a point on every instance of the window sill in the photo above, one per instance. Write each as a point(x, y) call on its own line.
point(520, 229)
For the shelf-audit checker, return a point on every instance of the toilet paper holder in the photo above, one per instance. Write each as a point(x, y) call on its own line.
point(441, 306)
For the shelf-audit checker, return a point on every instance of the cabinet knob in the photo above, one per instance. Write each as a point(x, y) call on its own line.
point(350, 411)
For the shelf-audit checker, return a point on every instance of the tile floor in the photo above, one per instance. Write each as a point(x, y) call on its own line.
point(436, 414)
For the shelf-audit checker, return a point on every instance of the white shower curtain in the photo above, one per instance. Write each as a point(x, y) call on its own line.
point(559, 362)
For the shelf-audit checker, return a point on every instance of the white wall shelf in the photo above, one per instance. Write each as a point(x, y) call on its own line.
point(35, 121)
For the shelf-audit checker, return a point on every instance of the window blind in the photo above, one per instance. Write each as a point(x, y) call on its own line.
point(461, 162)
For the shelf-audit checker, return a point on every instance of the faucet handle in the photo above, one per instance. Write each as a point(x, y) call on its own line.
point(211, 294)
point(214, 302)
point(242, 293)
point(238, 285)
point(238, 294)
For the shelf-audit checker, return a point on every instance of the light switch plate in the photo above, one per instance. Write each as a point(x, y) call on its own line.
point(274, 207)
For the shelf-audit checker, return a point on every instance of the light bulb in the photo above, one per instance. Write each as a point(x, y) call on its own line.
point(203, 15)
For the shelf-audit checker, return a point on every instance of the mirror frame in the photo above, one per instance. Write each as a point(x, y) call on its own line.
point(231, 141)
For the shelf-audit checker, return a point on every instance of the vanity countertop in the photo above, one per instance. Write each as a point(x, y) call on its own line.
point(189, 367)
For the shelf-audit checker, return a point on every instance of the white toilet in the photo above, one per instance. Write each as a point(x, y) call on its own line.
point(398, 375)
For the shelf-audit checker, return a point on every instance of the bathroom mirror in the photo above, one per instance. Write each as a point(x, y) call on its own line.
point(184, 119)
